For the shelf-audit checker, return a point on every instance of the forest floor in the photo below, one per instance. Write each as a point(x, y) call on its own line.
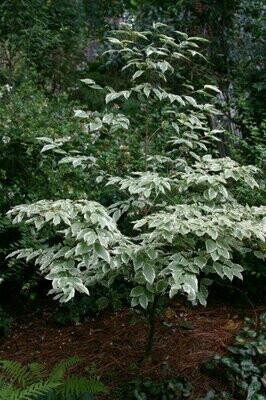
point(113, 343)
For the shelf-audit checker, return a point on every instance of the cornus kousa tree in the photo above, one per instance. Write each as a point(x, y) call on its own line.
point(186, 225)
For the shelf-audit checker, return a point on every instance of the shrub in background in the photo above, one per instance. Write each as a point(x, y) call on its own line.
point(5, 323)
point(82, 306)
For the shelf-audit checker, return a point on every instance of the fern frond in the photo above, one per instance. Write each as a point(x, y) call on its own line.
point(37, 372)
point(34, 391)
point(60, 369)
point(76, 385)
point(3, 382)
point(30, 383)
point(6, 392)
point(15, 371)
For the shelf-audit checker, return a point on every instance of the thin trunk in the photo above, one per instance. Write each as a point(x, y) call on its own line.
point(151, 332)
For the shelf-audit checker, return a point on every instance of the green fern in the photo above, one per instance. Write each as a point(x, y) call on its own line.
point(37, 372)
point(31, 382)
point(60, 369)
point(76, 385)
point(3, 382)
point(6, 392)
point(15, 371)
point(34, 391)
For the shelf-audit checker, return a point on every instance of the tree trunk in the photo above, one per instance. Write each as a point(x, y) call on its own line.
point(151, 321)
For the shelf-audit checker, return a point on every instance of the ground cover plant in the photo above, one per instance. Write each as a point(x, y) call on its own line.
point(245, 363)
point(33, 382)
point(183, 223)
point(176, 388)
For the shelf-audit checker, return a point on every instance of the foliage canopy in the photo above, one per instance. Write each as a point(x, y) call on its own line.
point(186, 223)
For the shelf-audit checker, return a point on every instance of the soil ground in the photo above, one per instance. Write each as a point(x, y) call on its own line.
point(113, 344)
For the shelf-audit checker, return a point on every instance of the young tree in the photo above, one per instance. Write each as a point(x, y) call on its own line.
point(187, 226)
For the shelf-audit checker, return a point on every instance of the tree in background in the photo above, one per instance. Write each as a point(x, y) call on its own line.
point(43, 39)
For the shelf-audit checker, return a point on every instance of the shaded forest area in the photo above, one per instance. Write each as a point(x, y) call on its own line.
point(132, 173)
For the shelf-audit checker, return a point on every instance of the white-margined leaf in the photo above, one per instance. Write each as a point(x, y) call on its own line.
point(149, 273)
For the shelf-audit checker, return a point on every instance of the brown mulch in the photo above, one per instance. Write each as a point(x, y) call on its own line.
point(114, 343)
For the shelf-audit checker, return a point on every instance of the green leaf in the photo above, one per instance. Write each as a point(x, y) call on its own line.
point(223, 252)
point(88, 81)
point(147, 91)
point(102, 252)
point(251, 181)
point(102, 303)
point(96, 125)
point(211, 87)
point(137, 291)
point(260, 255)
point(81, 288)
point(206, 282)
point(90, 237)
point(116, 215)
point(111, 96)
point(158, 93)
point(214, 255)
point(137, 74)
point(48, 147)
point(91, 83)
point(161, 285)
point(143, 301)
point(228, 272)
point(149, 273)
point(212, 193)
point(253, 388)
point(212, 233)
point(114, 40)
point(202, 299)
point(138, 261)
point(134, 301)
point(200, 261)
point(163, 65)
point(175, 126)
point(152, 253)
point(82, 248)
point(191, 100)
point(190, 283)
point(210, 245)
point(236, 270)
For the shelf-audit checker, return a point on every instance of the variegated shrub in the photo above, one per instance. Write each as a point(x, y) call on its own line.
point(186, 224)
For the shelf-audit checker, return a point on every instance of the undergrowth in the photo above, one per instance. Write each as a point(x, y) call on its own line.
point(33, 382)
point(245, 364)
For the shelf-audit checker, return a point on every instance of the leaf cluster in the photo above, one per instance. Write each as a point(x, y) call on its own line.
point(175, 388)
